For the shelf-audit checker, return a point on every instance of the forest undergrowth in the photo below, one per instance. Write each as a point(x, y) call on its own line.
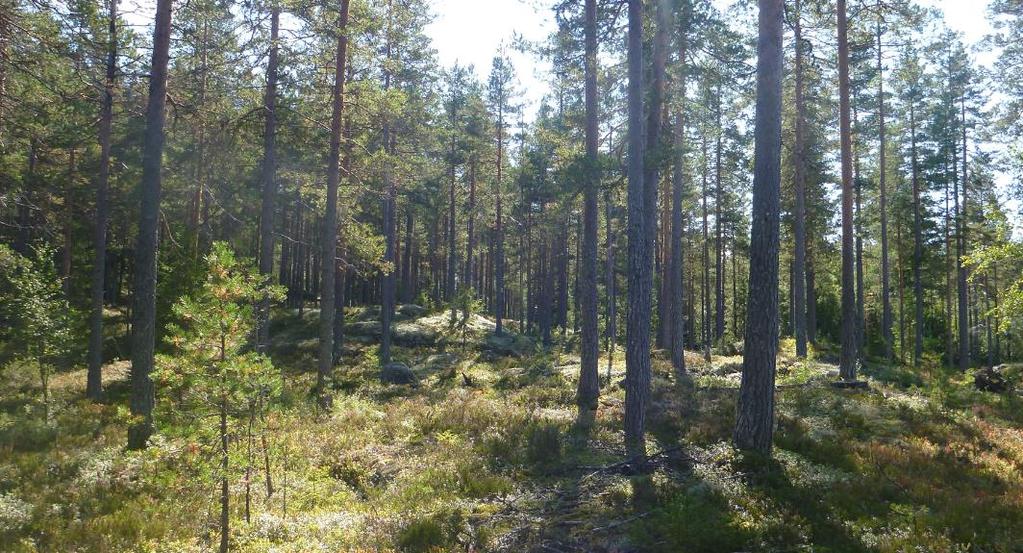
point(486, 453)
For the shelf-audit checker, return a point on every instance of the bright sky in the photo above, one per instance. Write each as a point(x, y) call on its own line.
point(966, 16)
point(470, 32)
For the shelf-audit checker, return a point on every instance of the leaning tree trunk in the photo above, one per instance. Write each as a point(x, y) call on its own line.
point(589, 380)
point(94, 379)
point(328, 241)
point(144, 310)
point(268, 177)
point(847, 363)
point(754, 423)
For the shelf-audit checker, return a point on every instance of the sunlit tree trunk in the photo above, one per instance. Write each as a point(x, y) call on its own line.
point(268, 177)
point(961, 230)
point(799, 217)
point(886, 300)
point(676, 272)
point(754, 425)
point(328, 240)
point(589, 381)
point(847, 366)
point(640, 249)
point(144, 291)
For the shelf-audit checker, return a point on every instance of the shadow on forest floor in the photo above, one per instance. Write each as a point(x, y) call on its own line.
point(488, 453)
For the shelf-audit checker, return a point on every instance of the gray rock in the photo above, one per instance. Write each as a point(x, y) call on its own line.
point(398, 373)
point(438, 361)
point(364, 328)
point(412, 334)
point(411, 310)
point(727, 368)
point(508, 345)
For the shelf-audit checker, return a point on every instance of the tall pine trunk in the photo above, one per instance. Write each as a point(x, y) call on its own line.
point(677, 269)
point(94, 380)
point(705, 282)
point(268, 177)
point(499, 227)
point(589, 380)
point(918, 252)
point(847, 363)
point(719, 254)
point(470, 236)
point(387, 286)
point(144, 309)
point(858, 222)
point(964, 326)
point(449, 286)
point(799, 217)
point(754, 425)
point(886, 300)
point(640, 248)
point(328, 240)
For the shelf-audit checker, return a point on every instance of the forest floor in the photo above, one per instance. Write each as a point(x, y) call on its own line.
point(486, 454)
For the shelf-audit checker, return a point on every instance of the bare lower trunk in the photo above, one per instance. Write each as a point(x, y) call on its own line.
point(754, 424)
point(799, 217)
point(677, 271)
point(269, 180)
point(328, 241)
point(918, 293)
point(94, 380)
point(225, 495)
point(886, 300)
point(589, 381)
point(847, 365)
point(961, 229)
point(144, 310)
point(637, 341)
